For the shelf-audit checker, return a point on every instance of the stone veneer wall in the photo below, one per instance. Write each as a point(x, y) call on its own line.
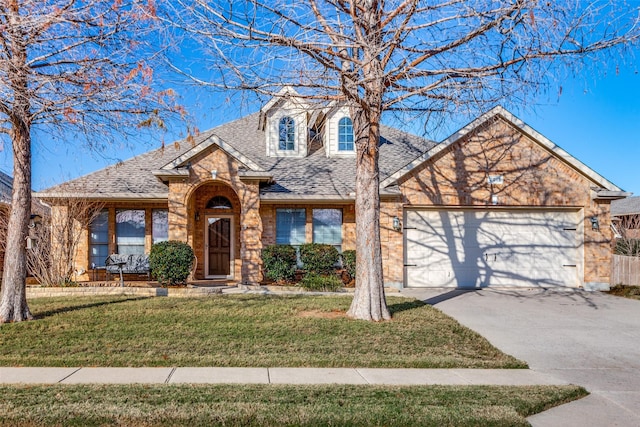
point(631, 225)
point(392, 243)
point(633, 233)
point(533, 177)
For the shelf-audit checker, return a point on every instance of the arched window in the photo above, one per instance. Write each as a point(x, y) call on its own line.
point(345, 134)
point(219, 202)
point(287, 134)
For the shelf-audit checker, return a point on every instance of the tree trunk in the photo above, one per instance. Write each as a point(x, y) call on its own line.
point(13, 305)
point(368, 300)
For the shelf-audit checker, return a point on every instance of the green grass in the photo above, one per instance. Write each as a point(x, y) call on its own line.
point(248, 330)
point(631, 292)
point(262, 405)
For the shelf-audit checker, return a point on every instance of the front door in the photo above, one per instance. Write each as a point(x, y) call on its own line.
point(218, 247)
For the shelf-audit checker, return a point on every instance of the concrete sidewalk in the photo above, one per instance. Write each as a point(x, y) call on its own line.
point(212, 375)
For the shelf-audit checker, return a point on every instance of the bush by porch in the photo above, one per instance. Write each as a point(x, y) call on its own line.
point(312, 266)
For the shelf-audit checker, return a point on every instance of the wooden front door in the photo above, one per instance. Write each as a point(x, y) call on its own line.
point(219, 247)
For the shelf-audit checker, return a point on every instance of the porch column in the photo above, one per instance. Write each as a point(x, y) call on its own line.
point(250, 233)
point(178, 212)
point(60, 238)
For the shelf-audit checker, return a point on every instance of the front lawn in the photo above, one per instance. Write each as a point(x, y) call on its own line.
point(246, 330)
point(263, 405)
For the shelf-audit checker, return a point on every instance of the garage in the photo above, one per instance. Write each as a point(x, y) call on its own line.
point(473, 248)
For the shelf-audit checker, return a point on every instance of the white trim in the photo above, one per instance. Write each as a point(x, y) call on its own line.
point(522, 127)
point(299, 114)
point(285, 92)
point(616, 232)
point(289, 197)
point(294, 149)
point(212, 140)
point(319, 198)
point(611, 195)
point(231, 247)
point(338, 134)
point(101, 196)
point(331, 134)
point(490, 208)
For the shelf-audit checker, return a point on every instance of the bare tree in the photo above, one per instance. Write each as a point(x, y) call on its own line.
point(628, 242)
point(435, 58)
point(73, 68)
point(55, 242)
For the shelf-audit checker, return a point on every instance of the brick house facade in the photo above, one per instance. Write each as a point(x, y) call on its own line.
point(286, 175)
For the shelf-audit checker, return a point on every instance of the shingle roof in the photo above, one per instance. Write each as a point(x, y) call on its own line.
point(6, 190)
point(314, 175)
point(628, 206)
point(129, 178)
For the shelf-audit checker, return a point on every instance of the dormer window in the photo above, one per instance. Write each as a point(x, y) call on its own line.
point(286, 125)
point(287, 134)
point(345, 134)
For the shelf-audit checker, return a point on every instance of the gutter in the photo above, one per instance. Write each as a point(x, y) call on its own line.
point(602, 194)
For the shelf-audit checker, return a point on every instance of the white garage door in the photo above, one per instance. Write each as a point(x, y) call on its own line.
point(478, 248)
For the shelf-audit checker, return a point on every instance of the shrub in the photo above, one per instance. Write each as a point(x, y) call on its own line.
point(349, 262)
point(628, 247)
point(625, 291)
point(318, 258)
point(279, 262)
point(315, 282)
point(171, 262)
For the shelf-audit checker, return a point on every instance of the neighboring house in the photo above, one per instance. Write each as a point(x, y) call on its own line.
point(6, 186)
point(495, 204)
point(626, 216)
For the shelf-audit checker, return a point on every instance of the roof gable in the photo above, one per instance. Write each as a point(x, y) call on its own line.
point(522, 127)
point(286, 92)
point(212, 140)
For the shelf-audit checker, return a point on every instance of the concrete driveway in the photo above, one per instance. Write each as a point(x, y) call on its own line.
point(587, 338)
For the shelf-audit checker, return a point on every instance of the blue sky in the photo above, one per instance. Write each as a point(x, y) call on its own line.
point(596, 119)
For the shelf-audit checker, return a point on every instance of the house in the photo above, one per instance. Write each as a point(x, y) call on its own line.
point(38, 210)
point(625, 214)
point(495, 204)
point(6, 186)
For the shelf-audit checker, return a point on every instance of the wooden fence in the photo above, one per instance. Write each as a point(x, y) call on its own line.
point(625, 270)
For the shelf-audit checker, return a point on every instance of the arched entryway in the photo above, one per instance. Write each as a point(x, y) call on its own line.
point(216, 232)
